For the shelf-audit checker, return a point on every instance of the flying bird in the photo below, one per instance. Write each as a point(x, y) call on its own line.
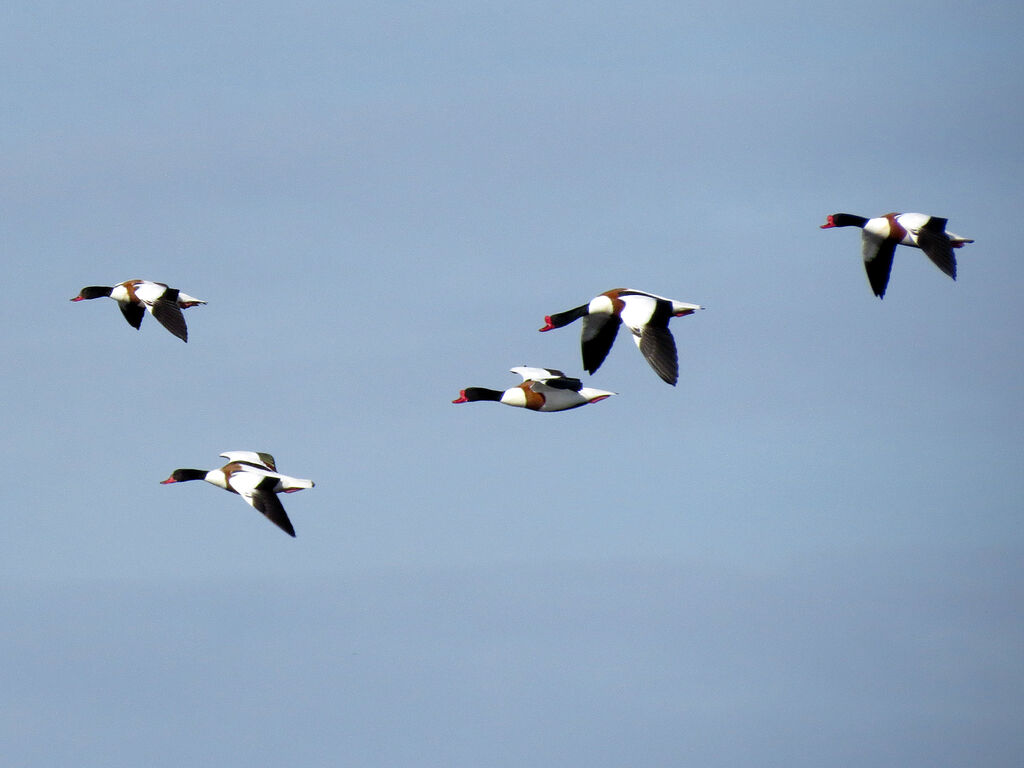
point(881, 235)
point(136, 297)
point(543, 389)
point(253, 476)
point(645, 314)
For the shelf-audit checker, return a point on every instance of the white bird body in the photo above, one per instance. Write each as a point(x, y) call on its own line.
point(906, 228)
point(243, 480)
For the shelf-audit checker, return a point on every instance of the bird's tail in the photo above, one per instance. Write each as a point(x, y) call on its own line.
point(184, 300)
point(292, 484)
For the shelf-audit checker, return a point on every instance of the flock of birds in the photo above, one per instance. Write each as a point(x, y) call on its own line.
point(253, 475)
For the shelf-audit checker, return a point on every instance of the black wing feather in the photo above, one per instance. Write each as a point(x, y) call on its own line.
point(933, 240)
point(266, 501)
point(597, 338)
point(133, 313)
point(169, 314)
point(659, 347)
point(879, 265)
point(564, 382)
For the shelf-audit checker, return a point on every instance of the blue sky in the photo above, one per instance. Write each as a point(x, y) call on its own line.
point(807, 552)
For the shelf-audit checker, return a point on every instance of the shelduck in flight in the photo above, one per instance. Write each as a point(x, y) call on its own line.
point(646, 316)
point(136, 297)
point(543, 389)
point(881, 235)
point(253, 476)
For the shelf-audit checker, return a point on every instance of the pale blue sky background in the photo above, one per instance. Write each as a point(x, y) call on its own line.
point(808, 553)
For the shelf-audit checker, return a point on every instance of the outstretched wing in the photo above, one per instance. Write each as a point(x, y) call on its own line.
point(933, 240)
point(596, 341)
point(257, 488)
point(168, 313)
point(271, 507)
point(877, 253)
point(255, 458)
point(658, 346)
point(529, 373)
point(133, 313)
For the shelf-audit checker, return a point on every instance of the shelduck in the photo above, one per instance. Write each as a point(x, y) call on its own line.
point(252, 475)
point(881, 235)
point(543, 389)
point(136, 297)
point(645, 314)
